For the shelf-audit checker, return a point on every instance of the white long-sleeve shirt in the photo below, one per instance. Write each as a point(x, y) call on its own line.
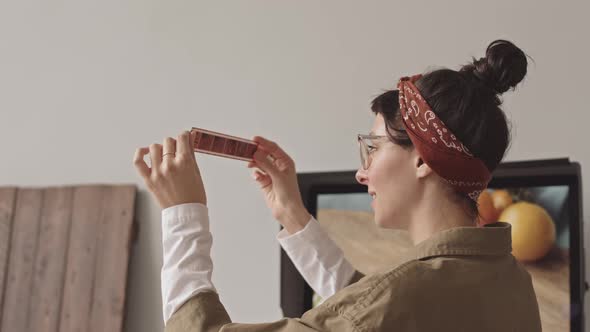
point(187, 265)
point(317, 257)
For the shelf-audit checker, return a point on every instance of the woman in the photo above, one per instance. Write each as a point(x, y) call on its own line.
point(433, 146)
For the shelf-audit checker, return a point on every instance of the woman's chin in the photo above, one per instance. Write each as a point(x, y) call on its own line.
point(386, 223)
point(379, 222)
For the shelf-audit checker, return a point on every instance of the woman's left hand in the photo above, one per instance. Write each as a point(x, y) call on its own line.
point(174, 177)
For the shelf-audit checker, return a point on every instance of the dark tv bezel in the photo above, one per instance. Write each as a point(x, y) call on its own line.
point(296, 295)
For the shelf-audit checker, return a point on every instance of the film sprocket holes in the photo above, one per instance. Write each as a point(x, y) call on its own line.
point(222, 145)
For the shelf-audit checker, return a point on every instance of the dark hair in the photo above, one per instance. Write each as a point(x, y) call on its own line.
point(468, 102)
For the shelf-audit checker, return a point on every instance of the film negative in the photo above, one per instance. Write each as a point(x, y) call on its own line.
point(222, 145)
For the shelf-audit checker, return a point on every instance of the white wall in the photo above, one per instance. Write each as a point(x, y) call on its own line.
point(84, 83)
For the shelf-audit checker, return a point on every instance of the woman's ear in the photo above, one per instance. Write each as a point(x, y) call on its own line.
point(422, 169)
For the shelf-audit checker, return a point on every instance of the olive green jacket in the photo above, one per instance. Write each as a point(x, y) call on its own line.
point(462, 279)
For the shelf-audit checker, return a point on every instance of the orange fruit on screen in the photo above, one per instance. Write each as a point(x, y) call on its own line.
point(533, 230)
point(487, 211)
point(502, 199)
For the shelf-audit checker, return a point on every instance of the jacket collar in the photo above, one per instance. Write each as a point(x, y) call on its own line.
point(490, 240)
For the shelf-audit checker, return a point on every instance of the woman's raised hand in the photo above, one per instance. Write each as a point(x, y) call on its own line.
point(174, 177)
point(278, 182)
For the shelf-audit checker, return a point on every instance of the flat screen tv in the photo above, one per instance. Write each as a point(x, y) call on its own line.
point(342, 207)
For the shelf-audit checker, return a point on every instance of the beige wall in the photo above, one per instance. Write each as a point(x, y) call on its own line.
point(84, 83)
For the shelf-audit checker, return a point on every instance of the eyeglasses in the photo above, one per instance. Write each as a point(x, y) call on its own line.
point(366, 148)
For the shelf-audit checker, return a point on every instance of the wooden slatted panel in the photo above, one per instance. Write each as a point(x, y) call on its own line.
point(98, 258)
point(7, 200)
point(112, 259)
point(64, 256)
point(80, 272)
point(50, 260)
point(21, 259)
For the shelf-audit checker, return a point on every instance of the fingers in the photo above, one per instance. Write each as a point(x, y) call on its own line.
point(262, 162)
point(156, 155)
point(262, 179)
point(169, 147)
point(270, 147)
point(184, 144)
point(140, 165)
point(253, 164)
point(192, 138)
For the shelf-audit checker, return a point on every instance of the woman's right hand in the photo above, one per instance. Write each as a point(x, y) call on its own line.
point(278, 182)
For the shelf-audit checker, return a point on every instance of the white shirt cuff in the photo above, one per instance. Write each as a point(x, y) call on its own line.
point(187, 264)
point(317, 257)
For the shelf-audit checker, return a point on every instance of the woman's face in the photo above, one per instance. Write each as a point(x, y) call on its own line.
point(392, 178)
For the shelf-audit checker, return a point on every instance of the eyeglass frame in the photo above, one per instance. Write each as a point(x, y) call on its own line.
point(366, 162)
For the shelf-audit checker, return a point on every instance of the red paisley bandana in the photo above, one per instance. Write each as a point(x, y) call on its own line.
point(437, 145)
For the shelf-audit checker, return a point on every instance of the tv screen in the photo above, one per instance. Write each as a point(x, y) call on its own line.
point(549, 188)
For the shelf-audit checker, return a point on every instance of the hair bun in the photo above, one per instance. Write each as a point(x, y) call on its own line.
point(503, 67)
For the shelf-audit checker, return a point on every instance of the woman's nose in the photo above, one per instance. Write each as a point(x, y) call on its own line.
point(361, 176)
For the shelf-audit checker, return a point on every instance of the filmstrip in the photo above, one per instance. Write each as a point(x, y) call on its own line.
point(223, 145)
